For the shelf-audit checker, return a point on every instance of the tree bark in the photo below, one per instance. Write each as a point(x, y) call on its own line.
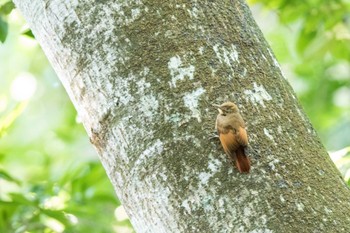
point(143, 74)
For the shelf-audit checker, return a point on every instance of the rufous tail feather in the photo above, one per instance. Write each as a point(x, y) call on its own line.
point(242, 161)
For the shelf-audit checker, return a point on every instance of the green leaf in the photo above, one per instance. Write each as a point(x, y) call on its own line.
point(4, 175)
point(292, 13)
point(7, 8)
point(304, 40)
point(57, 214)
point(21, 199)
point(3, 30)
point(29, 33)
point(11, 204)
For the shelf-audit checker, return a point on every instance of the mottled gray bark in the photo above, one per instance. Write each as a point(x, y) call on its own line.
point(143, 74)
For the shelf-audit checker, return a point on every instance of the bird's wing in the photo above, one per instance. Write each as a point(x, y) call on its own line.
point(228, 142)
point(242, 137)
point(232, 141)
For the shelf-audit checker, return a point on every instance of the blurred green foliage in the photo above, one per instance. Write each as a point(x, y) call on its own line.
point(50, 176)
point(311, 40)
point(5, 9)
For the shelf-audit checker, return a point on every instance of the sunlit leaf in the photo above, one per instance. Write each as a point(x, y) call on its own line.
point(291, 14)
point(3, 30)
point(20, 198)
point(57, 214)
point(7, 120)
point(6, 176)
point(29, 33)
point(6, 8)
point(305, 38)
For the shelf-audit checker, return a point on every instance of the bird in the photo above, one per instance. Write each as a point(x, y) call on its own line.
point(233, 135)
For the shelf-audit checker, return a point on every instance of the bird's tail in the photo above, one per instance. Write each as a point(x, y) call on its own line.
point(242, 161)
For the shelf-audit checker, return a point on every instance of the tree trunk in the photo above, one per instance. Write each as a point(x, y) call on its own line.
point(143, 74)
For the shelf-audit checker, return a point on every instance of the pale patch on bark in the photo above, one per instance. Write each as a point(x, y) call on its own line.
point(282, 199)
point(300, 206)
point(186, 206)
point(273, 163)
point(153, 150)
point(261, 231)
point(204, 177)
point(214, 165)
point(174, 118)
point(119, 132)
point(258, 95)
point(203, 195)
point(267, 133)
point(228, 56)
point(247, 211)
point(123, 93)
point(178, 71)
point(279, 129)
point(148, 103)
point(201, 50)
point(191, 102)
point(135, 13)
point(193, 12)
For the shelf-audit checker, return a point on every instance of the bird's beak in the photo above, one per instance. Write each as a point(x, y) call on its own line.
point(218, 107)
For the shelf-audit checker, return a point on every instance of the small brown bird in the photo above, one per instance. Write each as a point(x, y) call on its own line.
point(232, 134)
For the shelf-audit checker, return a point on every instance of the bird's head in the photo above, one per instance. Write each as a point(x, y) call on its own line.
point(226, 108)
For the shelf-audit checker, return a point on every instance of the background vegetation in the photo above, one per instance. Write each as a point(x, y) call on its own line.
point(50, 177)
